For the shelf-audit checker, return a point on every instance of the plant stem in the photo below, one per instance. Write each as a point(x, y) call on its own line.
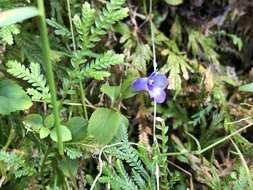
point(244, 163)
point(49, 72)
point(10, 138)
point(83, 98)
point(224, 139)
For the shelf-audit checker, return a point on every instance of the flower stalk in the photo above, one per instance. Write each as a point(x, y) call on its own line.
point(49, 72)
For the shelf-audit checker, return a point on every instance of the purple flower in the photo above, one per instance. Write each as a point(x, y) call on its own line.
point(154, 85)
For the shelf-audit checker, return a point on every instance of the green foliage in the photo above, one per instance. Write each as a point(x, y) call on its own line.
point(246, 87)
point(14, 164)
point(117, 93)
point(162, 159)
point(7, 33)
point(73, 153)
point(17, 15)
point(59, 29)
point(96, 69)
point(78, 128)
point(104, 125)
point(177, 63)
point(66, 134)
point(84, 24)
point(203, 46)
point(91, 29)
point(206, 56)
point(40, 89)
point(119, 180)
point(125, 153)
point(12, 97)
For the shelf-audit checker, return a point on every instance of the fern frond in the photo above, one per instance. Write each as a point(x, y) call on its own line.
point(123, 174)
point(112, 13)
point(96, 69)
point(118, 180)
point(27, 45)
point(178, 68)
point(138, 180)
point(73, 153)
point(203, 46)
point(83, 24)
point(33, 76)
point(16, 165)
point(162, 160)
point(58, 28)
point(91, 29)
point(127, 153)
point(7, 33)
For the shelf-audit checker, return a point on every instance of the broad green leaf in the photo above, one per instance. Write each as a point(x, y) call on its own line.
point(69, 167)
point(174, 2)
point(104, 124)
point(49, 121)
point(112, 91)
point(34, 121)
point(78, 128)
point(44, 132)
point(17, 15)
point(12, 97)
point(247, 87)
point(66, 134)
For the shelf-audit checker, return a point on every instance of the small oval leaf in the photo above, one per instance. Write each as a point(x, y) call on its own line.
point(66, 134)
point(12, 97)
point(44, 132)
point(34, 121)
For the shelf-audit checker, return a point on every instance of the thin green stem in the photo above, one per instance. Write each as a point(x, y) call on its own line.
point(83, 98)
point(10, 138)
point(155, 68)
point(244, 163)
point(82, 93)
point(71, 26)
point(224, 139)
point(49, 72)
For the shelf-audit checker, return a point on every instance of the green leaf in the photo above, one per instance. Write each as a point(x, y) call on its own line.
point(66, 134)
point(104, 124)
point(78, 128)
point(49, 121)
point(126, 89)
point(174, 2)
point(34, 121)
point(112, 91)
point(247, 87)
point(44, 132)
point(17, 15)
point(12, 97)
point(69, 167)
point(7, 34)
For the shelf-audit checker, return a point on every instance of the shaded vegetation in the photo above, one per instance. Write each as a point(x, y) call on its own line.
point(201, 137)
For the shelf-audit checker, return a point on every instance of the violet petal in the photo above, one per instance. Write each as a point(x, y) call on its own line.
point(159, 80)
point(140, 84)
point(158, 94)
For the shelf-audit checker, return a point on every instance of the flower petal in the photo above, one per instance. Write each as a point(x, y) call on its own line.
point(140, 84)
point(158, 94)
point(159, 80)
